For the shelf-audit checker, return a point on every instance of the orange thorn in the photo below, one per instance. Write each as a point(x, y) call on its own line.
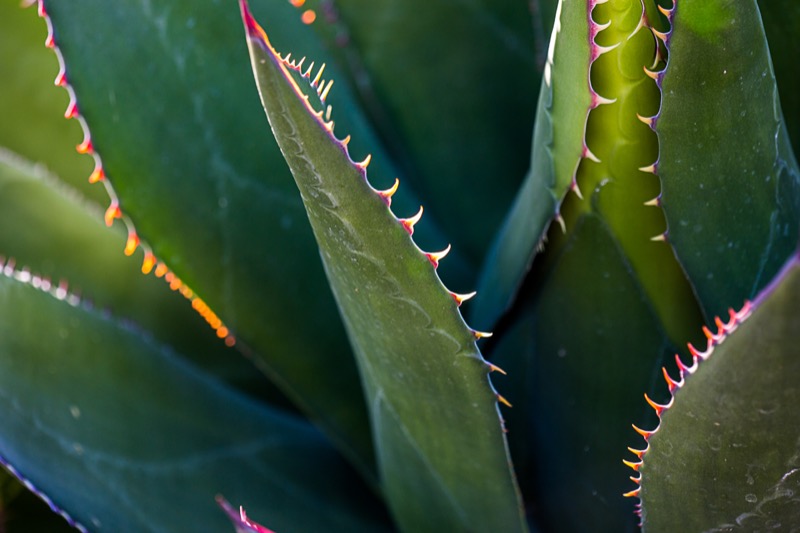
point(409, 223)
point(642, 432)
point(435, 257)
point(671, 383)
point(132, 243)
point(657, 407)
point(161, 270)
point(97, 175)
point(481, 334)
point(112, 213)
point(148, 263)
point(502, 400)
point(632, 494)
point(634, 466)
point(85, 147)
point(495, 368)
point(637, 453)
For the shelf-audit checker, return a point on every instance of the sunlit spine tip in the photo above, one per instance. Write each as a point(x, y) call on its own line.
point(638, 453)
point(461, 298)
point(365, 163)
point(409, 223)
point(435, 257)
point(386, 195)
point(632, 494)
point(315, 83)
point(655, 202)
point(495, 368)
point(72, 109)
point(671, 383)
point(98, 174)
point(112, 213)
point(131, 244)
point(650, 121)
point(503, 400)
point(346, 141)
point(657, 407)
point(661, 237)
point(587, 154)
point(85, 147)
point(575, 188)
point(148, 263)
point(644, 433)
point(634, 466)
point(665, 11)
point(652, 74)
point(650, 169)
point(61, 78)
point(324, 94)
point(480, 334)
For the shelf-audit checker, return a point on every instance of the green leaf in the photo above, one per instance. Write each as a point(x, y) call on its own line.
point(440, 446)
point(469, 71)
point(51, 231)
point(730, 183)
point(578, 354)
point(726, 454)
point(555, 155)
point(182, 141)
point(123, 435)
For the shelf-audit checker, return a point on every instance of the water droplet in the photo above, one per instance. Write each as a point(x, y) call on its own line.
point(751, 498)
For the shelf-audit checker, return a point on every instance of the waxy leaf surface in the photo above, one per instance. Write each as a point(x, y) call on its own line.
point(440, 446)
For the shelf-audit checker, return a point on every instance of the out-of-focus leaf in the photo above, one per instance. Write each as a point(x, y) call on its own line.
point(22, 511)
point(123, 435)
point(726, 456)
point(32, 108)
point(54, 233)
point(564, 100)
point(183, 141)
point(451, 94)
point(782, 24)
point(578, 356)
point(731, 186)
point(440, 446)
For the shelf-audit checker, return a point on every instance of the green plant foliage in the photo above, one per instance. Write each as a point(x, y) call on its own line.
point(339, 388)
point(725, 455)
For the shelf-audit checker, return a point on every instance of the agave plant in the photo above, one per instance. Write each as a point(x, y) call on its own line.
point(652, 189)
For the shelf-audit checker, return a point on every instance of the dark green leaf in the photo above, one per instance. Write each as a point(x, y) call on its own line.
point(124, 435)
point(440, 446)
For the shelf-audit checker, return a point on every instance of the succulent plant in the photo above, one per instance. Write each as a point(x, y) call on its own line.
point(341, 385)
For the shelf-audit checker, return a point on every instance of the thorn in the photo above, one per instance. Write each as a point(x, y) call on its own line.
point(664, 11)
point(298, 66)
point(408, 223)
point(651, 74)
point(365, 163)
point(495, 368)
point(598, 100)
point(651, 169)
point(435, 257)
point(588, 154)
point(655, 202)
point(637, 453)
point(148, 263)
point(461, 298)
point(72, 110)
point(657, 407)
point(98, 174)
point(161, 270)
point(502, 400)
point(61, 78)
point(85, 147)
point(315, 83)
point(632, 465)
point(307, 73)
point(481, 334)
point(662, 237)
point(671, 383)
point(112, 213)
point(575, 188)
point(681, 365)
point(132, 243)
point(659, 34)
point(346, 141)
point(650, 121)
point(324, 94)
point(560, 220)
point(40, 10)
point(632, 494)
point(49, 41)
point(642, 432)
point(386, 195)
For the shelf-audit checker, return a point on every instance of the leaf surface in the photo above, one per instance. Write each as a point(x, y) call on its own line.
point(730, 183)
point(123, 435)
point(440, 446)
point(726, 456)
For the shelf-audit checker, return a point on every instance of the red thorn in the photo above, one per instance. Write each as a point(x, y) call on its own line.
point(250, 24)
point(409, 223)
point(671, 383)
point(49, 41)
point(97, 175)
point(681, 366)
point(85, 147)
point(502, 400)
point(435, 257)
point(148, 263)
point(637, 453)
point(41, 11)
point(132, 243)
point(657, 407)
point(461, 298)
point(634, 466)
point(61, 78)
point(495, 368)
point(708, 334)
point(113, 212)
point(72, 110)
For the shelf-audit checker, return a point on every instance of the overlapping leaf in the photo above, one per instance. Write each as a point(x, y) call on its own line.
point(440, 447)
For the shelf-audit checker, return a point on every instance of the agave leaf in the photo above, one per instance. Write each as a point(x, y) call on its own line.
point(726, 455)
point(443, 466)
point(32, 108)
point(782, 22)
point(121, 434)
point(21, 510)
point(731, 185)
point(49, 230)
point(178, 137)
point(564, 99)
point(463, 148)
